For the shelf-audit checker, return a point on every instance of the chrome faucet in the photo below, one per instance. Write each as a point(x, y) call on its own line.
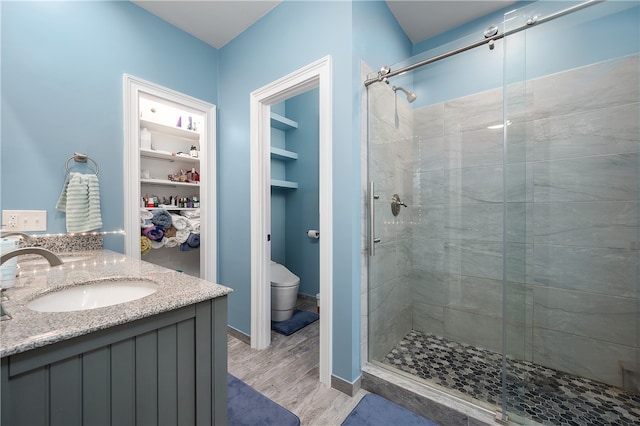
point(49, 255)
point(24, 236)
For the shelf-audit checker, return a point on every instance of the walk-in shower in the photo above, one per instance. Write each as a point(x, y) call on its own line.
point(508, 277)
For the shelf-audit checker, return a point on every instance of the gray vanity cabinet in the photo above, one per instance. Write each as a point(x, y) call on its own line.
point(170, 369)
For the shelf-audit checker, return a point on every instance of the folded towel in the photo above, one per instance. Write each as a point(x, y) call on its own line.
point(180, 222)
point(182, 235)
point(157, 244)
point(170, 232)
point(154, 233)
point(193, 242)
point(80, 200)
point(170, 242)
point(191, 214)
point(161, 217)
point(194, 225)
point(145, 218)
point(145, 245)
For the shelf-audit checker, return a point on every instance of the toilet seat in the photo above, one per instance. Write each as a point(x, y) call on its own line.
point(282, 277)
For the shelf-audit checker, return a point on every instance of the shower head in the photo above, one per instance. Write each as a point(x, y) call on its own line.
point(410, 95)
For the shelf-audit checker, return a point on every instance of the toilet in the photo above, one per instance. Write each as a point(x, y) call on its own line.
point(284, 292)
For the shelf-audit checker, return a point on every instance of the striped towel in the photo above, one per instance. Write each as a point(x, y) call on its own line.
point(80, 200)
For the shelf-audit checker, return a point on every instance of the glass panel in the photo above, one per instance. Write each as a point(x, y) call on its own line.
point(571, 97)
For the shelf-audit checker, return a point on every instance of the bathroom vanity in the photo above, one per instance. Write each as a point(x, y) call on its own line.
point(161, 358)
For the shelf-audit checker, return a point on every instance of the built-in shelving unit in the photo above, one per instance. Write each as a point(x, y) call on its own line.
point(283, 154)
point(282, 123)
point(285, 124)
point(168, 156)
point(276, 183)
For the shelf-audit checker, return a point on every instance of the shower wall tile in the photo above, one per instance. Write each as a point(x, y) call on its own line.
point(431, 288)
point(486, 332)
point(477, 222)
point(428, 254)
point(478, 330)
point(602, 178)
point(594, 224)
point(484, 297)
point(430, 154)
point(518, 132)
point(597, 86)
point(428, 188)
point(428, 222)
point(519, 224)
point(428, 318)
point(390, 314)
point(383, 267)
point(612, 130)
point(483, 259)
point(482, 147)
point(475, 185)
point(473, 112)
point(608, 318)
point(428, 121)
point(595, 270)
point(596, 359)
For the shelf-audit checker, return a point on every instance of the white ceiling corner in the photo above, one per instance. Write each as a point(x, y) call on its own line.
point(216, 22)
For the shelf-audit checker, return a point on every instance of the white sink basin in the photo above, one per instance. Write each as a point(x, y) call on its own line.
point(93, 295)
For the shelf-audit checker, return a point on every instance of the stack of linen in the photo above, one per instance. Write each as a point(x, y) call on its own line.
point(160, 228)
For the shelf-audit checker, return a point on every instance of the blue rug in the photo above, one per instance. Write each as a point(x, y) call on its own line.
point(299, 320)
point(374, 410)
point(248, 407)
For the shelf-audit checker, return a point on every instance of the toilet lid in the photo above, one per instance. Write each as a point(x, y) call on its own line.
point(282, 277)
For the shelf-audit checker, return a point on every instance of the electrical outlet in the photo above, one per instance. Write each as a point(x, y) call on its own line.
point(24, 220)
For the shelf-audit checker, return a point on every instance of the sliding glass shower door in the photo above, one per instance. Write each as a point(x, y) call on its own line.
point(507, 213)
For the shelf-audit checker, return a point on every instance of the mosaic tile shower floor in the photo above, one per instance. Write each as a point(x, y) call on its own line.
point(538, 393)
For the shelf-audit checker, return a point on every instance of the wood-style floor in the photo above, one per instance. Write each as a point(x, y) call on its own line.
point(287, 373)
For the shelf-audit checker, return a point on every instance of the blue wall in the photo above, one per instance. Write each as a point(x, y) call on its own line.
point(307, 31)
point(302, 207)
point(597, 33)
point(62, 91)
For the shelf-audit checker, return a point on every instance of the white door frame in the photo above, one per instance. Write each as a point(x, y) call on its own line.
point(133, 87)
point(316, 74)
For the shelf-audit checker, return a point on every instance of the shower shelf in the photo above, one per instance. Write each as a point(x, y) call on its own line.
point(282, 123)
point(276, 183)
point(283, 154)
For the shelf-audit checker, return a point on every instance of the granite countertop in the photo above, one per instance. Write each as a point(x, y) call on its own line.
point(29, 329)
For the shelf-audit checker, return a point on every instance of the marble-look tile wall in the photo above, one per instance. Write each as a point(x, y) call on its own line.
point(391, 153)
point(572, 221)
point(572, 176)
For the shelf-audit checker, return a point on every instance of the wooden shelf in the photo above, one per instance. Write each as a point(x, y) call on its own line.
point(282, 123)
point(170, 130)
point(276, 183)
point(167, 182)
point(161, 155)
point(283, 154)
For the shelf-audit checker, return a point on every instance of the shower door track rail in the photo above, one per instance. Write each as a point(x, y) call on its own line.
point(530, 22)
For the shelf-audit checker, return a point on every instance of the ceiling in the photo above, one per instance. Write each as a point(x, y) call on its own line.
point(217, 22)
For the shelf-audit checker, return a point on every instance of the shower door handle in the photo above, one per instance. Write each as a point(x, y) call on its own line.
point(372, 223)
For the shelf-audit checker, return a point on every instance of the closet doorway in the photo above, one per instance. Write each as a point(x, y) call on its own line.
point(175, 173)
point(315, 75)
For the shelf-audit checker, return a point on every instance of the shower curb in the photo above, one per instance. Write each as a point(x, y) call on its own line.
point(428, 402)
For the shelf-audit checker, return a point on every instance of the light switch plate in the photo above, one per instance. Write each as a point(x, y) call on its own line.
point(24, 220)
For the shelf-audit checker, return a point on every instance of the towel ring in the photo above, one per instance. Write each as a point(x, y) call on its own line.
point(81, 158)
